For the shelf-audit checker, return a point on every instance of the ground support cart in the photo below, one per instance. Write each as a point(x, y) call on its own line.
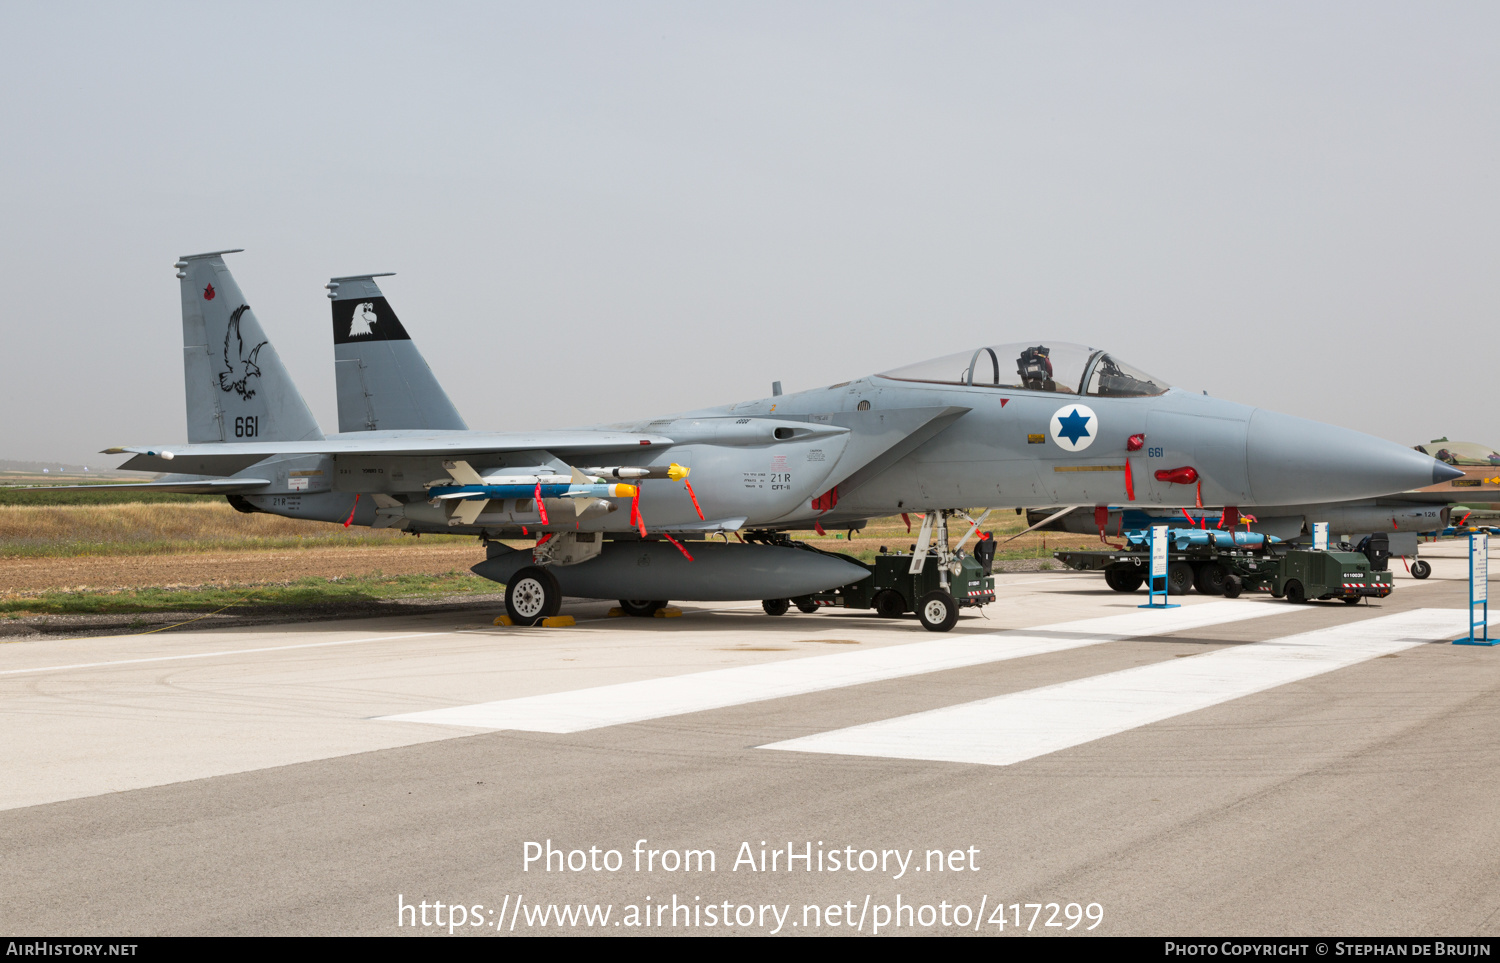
point(1297, 575)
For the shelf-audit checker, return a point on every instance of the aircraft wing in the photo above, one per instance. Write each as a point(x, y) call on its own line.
point(226, 459)
point(204, 486)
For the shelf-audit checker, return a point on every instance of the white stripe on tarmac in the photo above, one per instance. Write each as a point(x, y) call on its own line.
point(215, 655)
point(614, 705)
point(1023, 725)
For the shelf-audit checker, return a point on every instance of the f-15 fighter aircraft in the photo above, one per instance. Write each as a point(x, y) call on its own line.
point(622, 510)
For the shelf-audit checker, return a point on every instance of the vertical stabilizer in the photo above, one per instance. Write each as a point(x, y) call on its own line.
point(383, 381)
point(237, 388)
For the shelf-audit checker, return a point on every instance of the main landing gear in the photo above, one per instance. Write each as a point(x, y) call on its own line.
point(532, 595)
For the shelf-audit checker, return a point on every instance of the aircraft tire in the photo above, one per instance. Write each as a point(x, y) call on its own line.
point(641, 608)
point(1233, 586)
point(1123, 580)
point(1295, 593)
point(937, 611)
point(1420, 569)
point(806, 605)
point(889, 604)
point(1179, 578)
point(776, 606)
point(532, 595)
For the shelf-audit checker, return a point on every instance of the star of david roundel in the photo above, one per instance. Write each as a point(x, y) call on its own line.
point(1074, 427)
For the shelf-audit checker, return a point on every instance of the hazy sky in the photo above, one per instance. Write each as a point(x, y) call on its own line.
point(601, 211)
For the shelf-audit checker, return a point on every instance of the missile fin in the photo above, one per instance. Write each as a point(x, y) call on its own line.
point(467, 511)
point(462, 473)
point(581, 505)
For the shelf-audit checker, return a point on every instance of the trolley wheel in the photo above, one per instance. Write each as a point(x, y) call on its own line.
point(776, 606)
point(1123, 580)
point(641, 608)
point(1420, 569)
point(1233, 586)
point(937, 611)
point(1179, 578)
point(889, 604)
point(805, 605)
point(1295, 593)
point(532, 595)
point(1209, 578)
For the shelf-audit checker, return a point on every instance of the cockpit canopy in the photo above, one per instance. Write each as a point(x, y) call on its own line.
point(1059, 367)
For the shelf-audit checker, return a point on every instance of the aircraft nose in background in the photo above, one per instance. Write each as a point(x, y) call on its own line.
point(1293, 460)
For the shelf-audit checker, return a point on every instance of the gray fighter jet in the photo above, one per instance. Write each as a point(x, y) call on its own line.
point(1027, 425)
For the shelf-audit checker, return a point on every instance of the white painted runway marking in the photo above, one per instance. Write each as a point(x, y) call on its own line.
point(1023, 725)
point(211, 655)
point(614, 705)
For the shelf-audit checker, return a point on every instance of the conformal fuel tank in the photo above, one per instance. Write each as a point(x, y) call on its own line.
point(657, 570)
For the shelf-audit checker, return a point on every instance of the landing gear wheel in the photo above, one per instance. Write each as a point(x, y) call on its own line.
point(1123, 580)
point(1209, 577)
point(889, 604)
point(1295, 593)
point(937, 611)
point(776, 606)
point(1233, 586)
point(1420, 569)
point(806, 605)
point(641, 608)
point(1351, 600)
point(1179, 578)
point(532, 595)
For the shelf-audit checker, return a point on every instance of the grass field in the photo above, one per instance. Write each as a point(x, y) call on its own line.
point(73, 555)
point(308, 593)
point(154, 528)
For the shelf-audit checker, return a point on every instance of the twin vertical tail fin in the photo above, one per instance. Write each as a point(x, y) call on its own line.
point(383, 381)
point(237, 387)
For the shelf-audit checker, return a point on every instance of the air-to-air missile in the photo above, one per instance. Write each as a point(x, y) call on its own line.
point(1042, 426)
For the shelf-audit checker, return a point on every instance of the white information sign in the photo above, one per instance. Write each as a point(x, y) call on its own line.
point(1158, 552)
point(1320, 536)
point(1479, 567)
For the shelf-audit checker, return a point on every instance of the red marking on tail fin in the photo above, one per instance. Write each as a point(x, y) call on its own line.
point(208, 293)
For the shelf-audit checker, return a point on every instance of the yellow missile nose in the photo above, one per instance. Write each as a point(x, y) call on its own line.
point(676, 472)
point(625, 491)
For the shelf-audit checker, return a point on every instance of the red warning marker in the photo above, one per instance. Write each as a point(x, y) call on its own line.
point(208, 293)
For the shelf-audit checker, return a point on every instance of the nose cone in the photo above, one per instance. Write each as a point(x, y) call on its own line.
point(1296, 461)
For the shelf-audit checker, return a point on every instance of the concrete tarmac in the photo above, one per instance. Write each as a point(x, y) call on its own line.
point(251, 782)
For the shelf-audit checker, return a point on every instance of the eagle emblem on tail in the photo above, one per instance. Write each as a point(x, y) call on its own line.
point(238, 369)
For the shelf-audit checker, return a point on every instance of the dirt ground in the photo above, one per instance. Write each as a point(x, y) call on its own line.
point(20, 575)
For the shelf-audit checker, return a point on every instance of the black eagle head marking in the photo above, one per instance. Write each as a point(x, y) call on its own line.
point(238, 369)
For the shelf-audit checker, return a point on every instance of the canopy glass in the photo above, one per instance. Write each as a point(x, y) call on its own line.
point(1058, 367)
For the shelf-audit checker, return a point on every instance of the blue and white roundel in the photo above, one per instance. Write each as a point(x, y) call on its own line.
point(1074, 427)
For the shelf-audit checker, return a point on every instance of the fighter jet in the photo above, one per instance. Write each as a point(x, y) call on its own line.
point(626, 510)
